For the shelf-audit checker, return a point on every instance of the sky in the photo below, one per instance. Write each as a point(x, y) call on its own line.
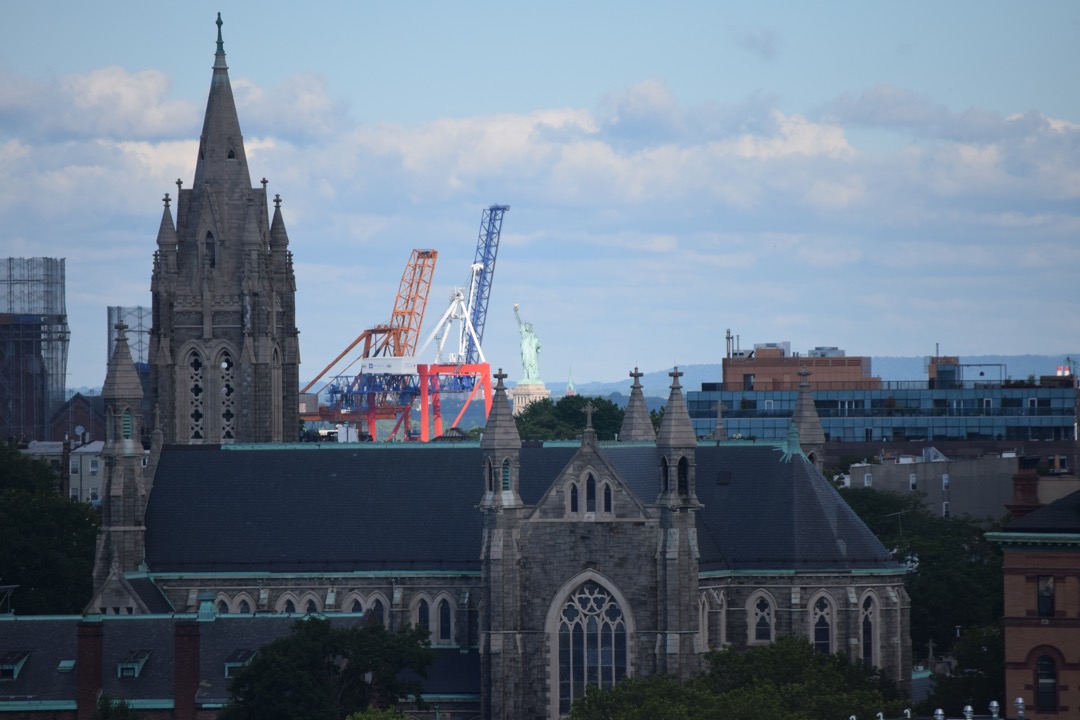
point(889, 178)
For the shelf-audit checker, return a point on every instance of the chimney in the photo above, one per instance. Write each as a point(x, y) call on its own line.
point(1025, 499)
point(88, 667)
point(186, 669)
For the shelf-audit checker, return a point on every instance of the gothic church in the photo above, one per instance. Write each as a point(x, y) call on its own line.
point(538, 568)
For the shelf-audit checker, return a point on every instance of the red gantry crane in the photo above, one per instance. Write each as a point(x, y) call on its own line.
point(386, 383)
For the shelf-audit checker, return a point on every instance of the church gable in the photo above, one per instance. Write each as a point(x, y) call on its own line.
point(589, 488)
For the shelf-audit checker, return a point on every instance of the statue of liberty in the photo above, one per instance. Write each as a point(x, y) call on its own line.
point(530, 352)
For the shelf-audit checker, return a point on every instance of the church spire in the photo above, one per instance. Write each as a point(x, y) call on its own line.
point(807, 423)
point(221, 147)
point(636, 426)
point(676, 430)
point(501, 447)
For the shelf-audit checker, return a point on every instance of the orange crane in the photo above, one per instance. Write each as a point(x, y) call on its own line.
point(386, 384)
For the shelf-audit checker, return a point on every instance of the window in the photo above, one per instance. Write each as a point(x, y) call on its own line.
point(590, 494)
point(11, 663)
point(1046, 678)
point(869, 631)
point(222, 607)
point(1046, 596)
point(289, 607)
point(490, 476)
point(74, 466)
point(445, 622)
point(236, 660)
point(913, 482)
point(356, 606)
point(228, 397)
point(127, 424)
point(822, 620)
point(311, 608)
point(684, 476)
point(245, 607)
point(868, 480)
point(761, 615)
point(573, 498)
point(607, 498)
point(423, 615)
point(663, 475)
point(94, 466)
point(945, 509)
point(378, 611)
point(506, 474)
point(195, 396)
point(132, 664)
point(592, 643)
point(945, 481)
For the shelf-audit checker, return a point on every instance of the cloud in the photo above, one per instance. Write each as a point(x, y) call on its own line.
point(762, 43)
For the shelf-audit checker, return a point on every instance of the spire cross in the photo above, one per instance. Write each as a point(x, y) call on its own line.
point(675, 375)
point(500, 376)
point(277, 199)
point(637, 376)
point(804, 374)
point(264, 181)
point(179, 184)
point(589, 409)
point(166, 199)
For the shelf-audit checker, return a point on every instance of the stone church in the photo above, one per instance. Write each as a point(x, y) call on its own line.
point(539, 568)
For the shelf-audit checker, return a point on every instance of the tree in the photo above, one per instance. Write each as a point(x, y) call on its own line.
point(109, 709)
point(786, 680)
point(46, 541)
point(979, 676)
point(956, 573)
point(565, 419)
point(324, 673)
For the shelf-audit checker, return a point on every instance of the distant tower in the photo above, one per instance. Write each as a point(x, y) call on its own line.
point(224, 348)
point(570, 391)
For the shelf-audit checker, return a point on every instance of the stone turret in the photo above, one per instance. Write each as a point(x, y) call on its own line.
point(637, 426)
point(808, 423)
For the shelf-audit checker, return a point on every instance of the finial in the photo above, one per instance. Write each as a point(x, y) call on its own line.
point(264, 181)
point(220, 44)
point(500, 376)
point(675, 375)
point(589, 409)
point(277, 200)
point(637, 375)
point(166, 199)
point(179, 184)
point(120, 328)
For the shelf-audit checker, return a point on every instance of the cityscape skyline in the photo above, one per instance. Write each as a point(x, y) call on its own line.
point(851, 177)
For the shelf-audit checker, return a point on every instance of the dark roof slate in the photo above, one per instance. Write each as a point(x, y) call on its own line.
point(1060, 516)
point(366, 507)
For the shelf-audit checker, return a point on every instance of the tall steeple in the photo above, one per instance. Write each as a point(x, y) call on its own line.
point(636, 425)
point(224, 348)
point(501, 446)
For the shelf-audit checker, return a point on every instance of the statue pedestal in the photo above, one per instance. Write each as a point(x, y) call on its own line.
point(522, 395)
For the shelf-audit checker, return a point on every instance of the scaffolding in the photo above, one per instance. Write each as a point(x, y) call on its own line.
point(33, 346)
point(137, 320)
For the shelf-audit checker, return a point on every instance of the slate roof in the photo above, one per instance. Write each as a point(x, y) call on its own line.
point(49, 641)
point(1060, 516)
point(371, 507)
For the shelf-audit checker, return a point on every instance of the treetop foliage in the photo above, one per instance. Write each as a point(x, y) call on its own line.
point(565, 419)
point(320, 672)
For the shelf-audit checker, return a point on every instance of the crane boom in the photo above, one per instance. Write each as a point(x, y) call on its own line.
point(487, 247)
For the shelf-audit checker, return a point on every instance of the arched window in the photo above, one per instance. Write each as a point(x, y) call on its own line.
point(590, 494)
point(607, 498)
point(228, 397)
point(290, 606)
point(490, 476)
point(1046, 677)
point(311, 608)
point(222, 607)
point(663, 475)
point(126, 420)
point(573, 498)
point(822, 624)
point(357, 606)
point(760, 613)
point(684, 476)
point(592, 643)
point(423, 615)
point(196, 391)
point(211, 251)
point(378, 611)
point(869, 631)
point(506, 474)
point(245, 607)
point(445, 622)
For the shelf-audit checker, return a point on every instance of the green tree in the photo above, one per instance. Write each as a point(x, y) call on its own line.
point(109, 709)
point(979, 676)
point(565, 419)
point(956, 574)
point(324, 673)
point(46, 541)
point(786, 680)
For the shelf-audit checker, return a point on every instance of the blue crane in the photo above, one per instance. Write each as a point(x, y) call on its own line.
point(487, 247)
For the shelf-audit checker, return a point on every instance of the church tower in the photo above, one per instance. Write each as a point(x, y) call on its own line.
point(502, 661)
point(224, 348)
point(808, 423)
point(677, 547)
point(121, 539)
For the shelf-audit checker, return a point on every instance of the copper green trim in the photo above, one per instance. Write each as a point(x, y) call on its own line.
point(899, 570)
point(1034, 538)
point(332, 575)
point(36, 705)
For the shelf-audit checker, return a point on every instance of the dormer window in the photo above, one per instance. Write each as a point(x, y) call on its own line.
point(132, 664)
point(236, 660)
point(11, 663)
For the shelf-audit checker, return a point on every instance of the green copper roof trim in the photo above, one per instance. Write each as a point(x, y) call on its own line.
point(11, 617)
point(36, 705)
point(335, 575)
point(352, 447)
point(898, 570)
point(1034, 538)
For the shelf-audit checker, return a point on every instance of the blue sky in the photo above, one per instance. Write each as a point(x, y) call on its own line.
point(883, 177)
